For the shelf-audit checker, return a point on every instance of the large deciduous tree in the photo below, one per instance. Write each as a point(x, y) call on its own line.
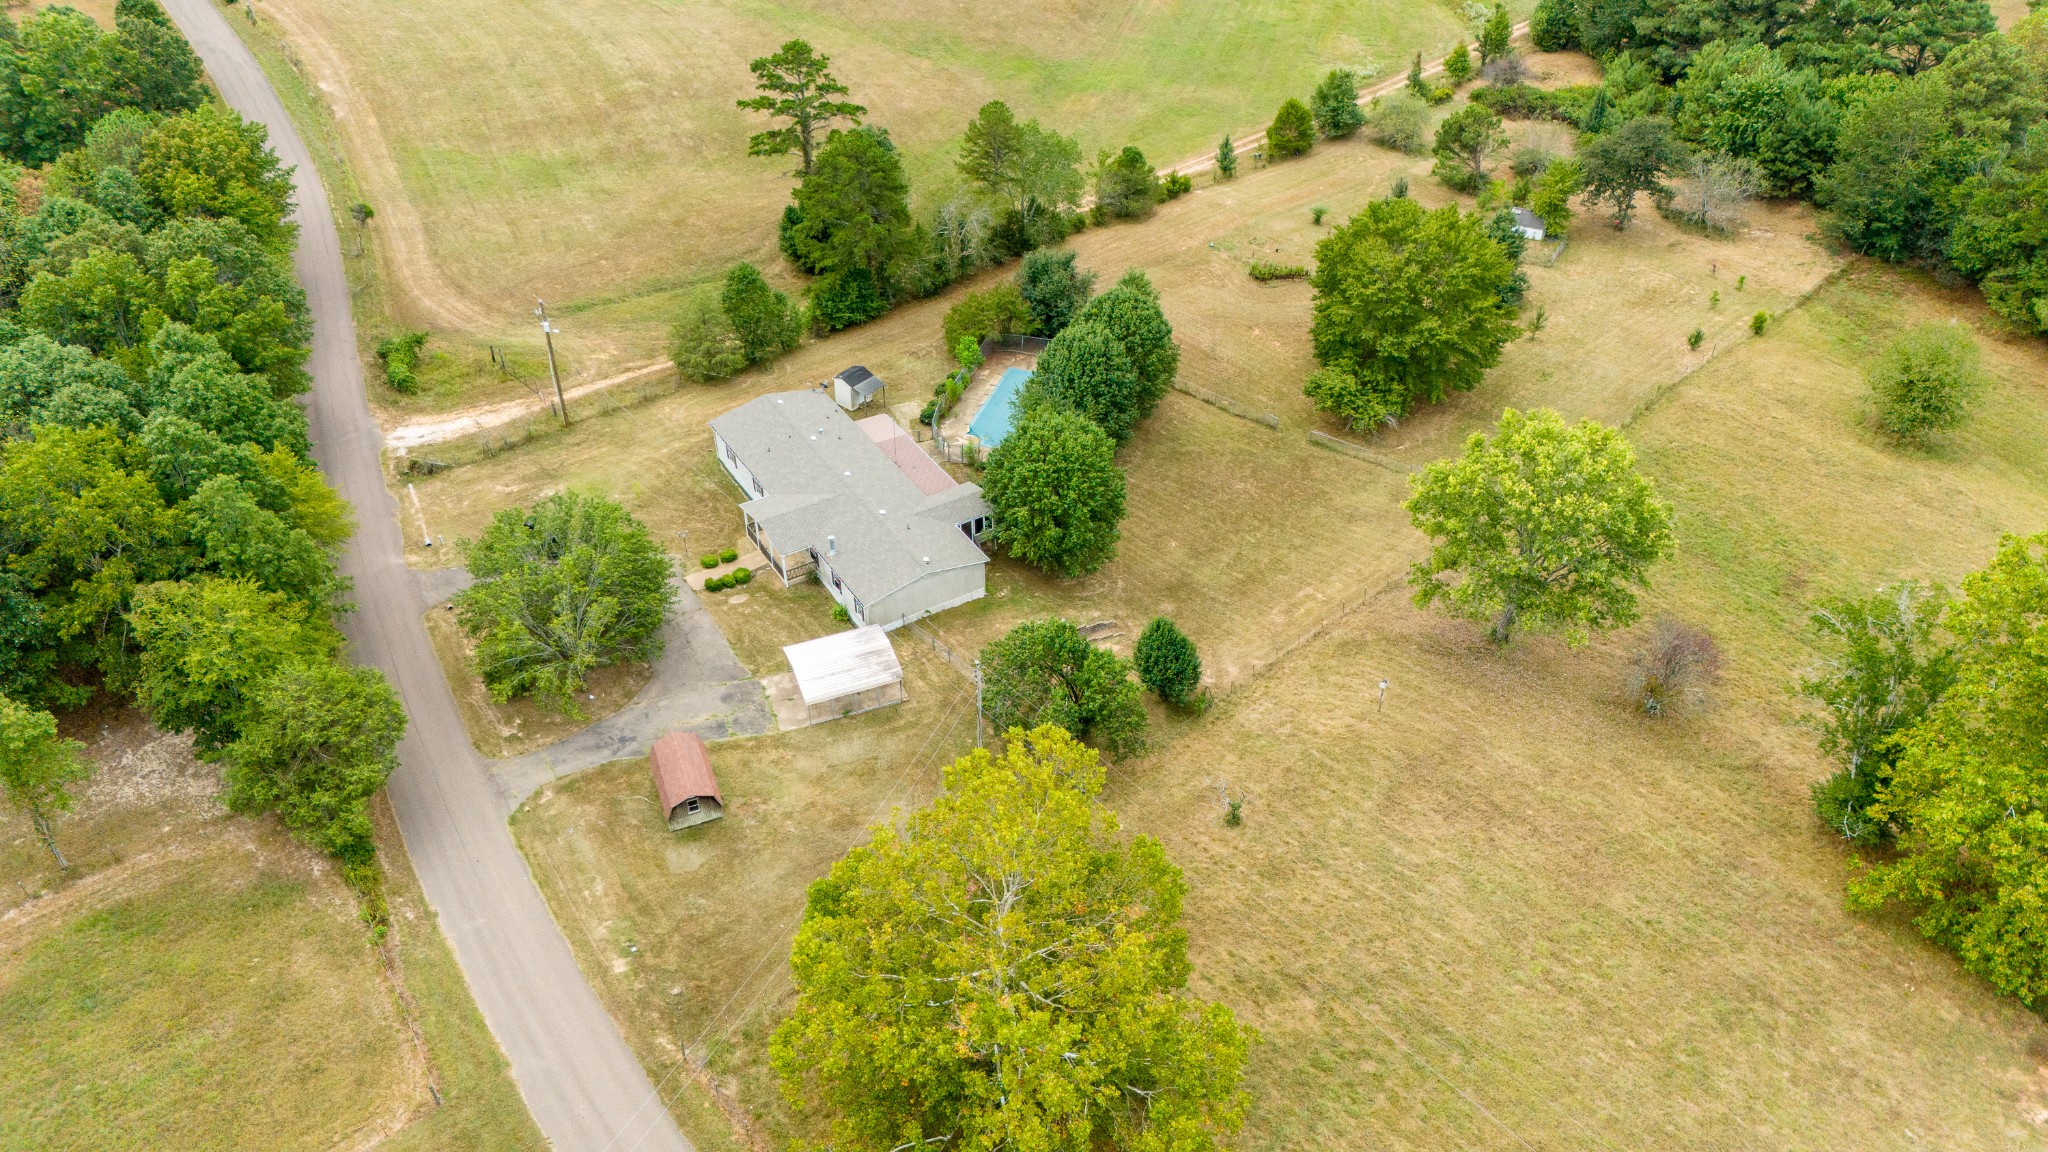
point(1464, 142)
point(1889, 669)
point(1969, 792)
point(564, 587)
point(797, 85)
point(856, 227)
point(37, 768)
point(1086, 370)
point(1056, 492)
point(206, 646)
point(1409, 302)
point(1054, 288)
point(1007, 971)
point(1627, 162)
point(1544, 526)
point(318, 741)
point(1046, 672)
point(1131, 312)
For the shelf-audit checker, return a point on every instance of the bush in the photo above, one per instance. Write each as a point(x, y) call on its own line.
point(764, 320)
point(1458, 65)
point(1675, 668)
point(1316, 215)
point(1518, 101)
point(845, 299)
point(1053, 288)
point(1167, 662)
point(1266, 273)
point(708, 560)
point(728, 555)
point(703, 343)
point(1693, 338)
point(1126, 187)
point(840, 614)
point(743, 575)
point(1177, 184)
point(1339, 392)
point(1336, 104)
point(718, 584)
point(1758, 323)
point(1926, 382)
point(1439, 94)
point(400, 355)
point(1554, 26)
point(1399, 121)
point(998, 311)
point(1293, 131)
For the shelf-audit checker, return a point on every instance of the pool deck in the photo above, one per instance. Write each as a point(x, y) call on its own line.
point(979, 389)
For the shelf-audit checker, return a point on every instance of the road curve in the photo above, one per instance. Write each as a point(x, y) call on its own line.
point(583, 1085)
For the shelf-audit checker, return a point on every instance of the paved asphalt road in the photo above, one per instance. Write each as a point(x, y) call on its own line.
point(582, 1083)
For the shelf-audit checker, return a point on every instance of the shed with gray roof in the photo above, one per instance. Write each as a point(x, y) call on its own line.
point(825, 499)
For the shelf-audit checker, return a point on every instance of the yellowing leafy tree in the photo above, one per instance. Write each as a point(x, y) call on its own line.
point(1546, 525)
point(36, 766)
point(1969, 792)
point(1007, 972)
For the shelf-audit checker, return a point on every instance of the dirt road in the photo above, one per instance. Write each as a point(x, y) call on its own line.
point(583, 1085)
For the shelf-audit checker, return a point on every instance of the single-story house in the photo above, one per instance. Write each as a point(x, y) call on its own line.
point(1528, 224)
point(683, 780)
point(855, 386)
point(846, 672)
point(858, 506)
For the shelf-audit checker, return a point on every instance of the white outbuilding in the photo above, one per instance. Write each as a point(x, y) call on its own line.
point(846, 672)
point(1529, 224)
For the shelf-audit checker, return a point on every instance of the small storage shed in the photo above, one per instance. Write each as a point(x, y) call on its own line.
point(846, 672)
point(683, 780)
point(854, 387)
point(1529, 224)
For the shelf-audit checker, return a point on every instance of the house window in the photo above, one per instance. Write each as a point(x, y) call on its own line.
point(757, 489)
point(690, 805)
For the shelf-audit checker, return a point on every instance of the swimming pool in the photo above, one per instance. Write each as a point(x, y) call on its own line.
point(992, 423)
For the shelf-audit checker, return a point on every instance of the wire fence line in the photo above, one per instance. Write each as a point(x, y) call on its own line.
point(1225, 403)
point(961, 664)
point(1358, 450)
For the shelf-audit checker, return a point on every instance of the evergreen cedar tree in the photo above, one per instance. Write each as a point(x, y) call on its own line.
point(797, 85)
point(1054, 289)
point(1056, 492)
point(1629, 161)
point(570, 585)
point(1969, 791)
point(762, 318)
point(915, 1021)
point(1046, 672)
point(161, 526)
point(1546, 526)
point(1167, 662)
point(37, 769)
point(1226, 158)
point(1335, 104)
point(1925, 383)
point(1409, 306)
point(1496, 36)
point(1889, 670)
point(854, 227)
point(1293, 131)
point(1464, 141)
point(1126, 187)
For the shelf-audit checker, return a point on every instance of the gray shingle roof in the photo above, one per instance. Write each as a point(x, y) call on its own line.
point(822, 476)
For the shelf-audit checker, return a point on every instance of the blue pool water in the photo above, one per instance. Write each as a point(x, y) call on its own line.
point(992, 423)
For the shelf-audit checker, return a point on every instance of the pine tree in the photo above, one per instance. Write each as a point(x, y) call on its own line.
point(1226, 159)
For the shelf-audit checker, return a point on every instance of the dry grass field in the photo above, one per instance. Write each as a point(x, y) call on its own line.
point(201, 980)
point(1507, 912)
point(590, 152)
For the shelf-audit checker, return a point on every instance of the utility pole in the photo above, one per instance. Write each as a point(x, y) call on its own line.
point(977, 704)
point(547, 331)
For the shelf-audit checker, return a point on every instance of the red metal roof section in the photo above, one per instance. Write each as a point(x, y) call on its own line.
point(682, 769)
point(903, 452)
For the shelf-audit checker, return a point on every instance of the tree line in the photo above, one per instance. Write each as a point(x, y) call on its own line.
point(165, 537)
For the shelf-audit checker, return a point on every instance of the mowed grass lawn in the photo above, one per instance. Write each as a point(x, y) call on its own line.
point(201, 980)
point(590, 152)
point(1507, 911)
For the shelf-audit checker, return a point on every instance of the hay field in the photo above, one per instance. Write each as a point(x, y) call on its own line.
point(201, 980)
point(589, 152)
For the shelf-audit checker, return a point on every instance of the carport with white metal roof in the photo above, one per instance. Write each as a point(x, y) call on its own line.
point(846, 672)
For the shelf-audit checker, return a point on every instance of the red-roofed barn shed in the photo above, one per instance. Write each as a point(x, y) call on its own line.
point(683, 780)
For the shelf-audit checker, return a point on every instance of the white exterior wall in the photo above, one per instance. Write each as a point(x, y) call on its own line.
point(930, 593)
point(736, 468)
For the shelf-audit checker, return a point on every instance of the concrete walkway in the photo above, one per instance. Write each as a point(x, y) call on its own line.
point(585, 1088)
